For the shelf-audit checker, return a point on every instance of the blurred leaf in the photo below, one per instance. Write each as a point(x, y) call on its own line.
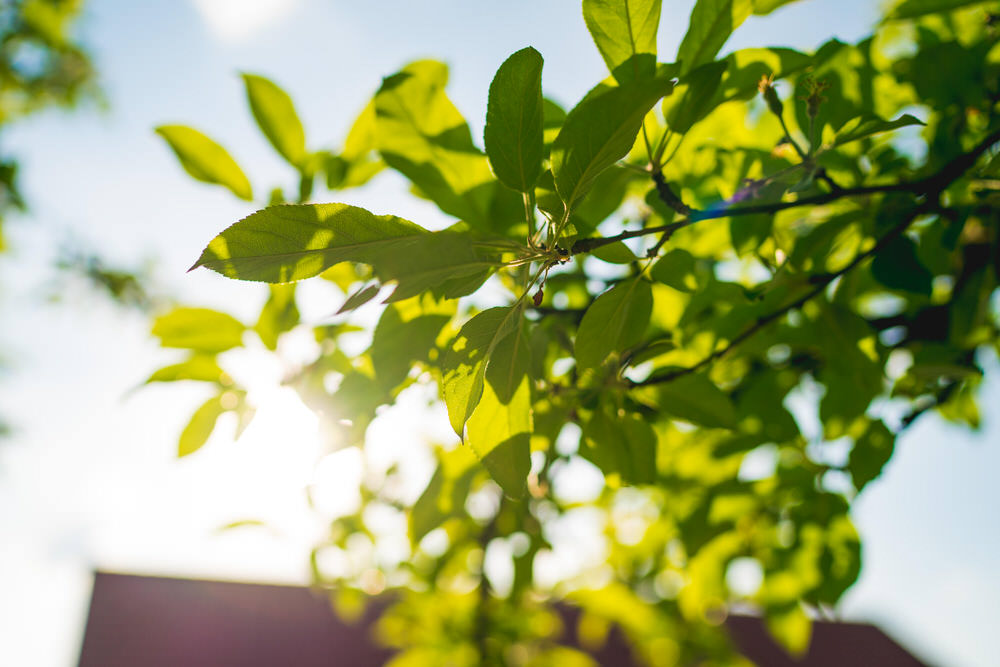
point(359, 298)
point(615, 322)
point(514, 121)
point(445, 494)
point(206, 160)
point(896, 266)
point(870, 454)
point(622, 444)
point(600, 131)
point(202, 423)
point(711, 24)
point(693, 398)
point(625, 34)
point(277, 119)
point(404, 335)
point(865, 126)
point(200, 367)
point(279, 314)
point(911, 9)
point(199, 329)
point(615, 253)
point(791, 627)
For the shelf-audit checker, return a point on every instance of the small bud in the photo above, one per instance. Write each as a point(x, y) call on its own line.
point(766, 88)
point(539, 295)
point(814, 95)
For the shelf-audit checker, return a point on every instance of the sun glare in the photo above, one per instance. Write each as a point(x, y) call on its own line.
point(236, 20)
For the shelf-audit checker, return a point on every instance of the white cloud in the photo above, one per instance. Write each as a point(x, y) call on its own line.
point(237, 20)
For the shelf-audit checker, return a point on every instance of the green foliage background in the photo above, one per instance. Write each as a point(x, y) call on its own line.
point(689, 245)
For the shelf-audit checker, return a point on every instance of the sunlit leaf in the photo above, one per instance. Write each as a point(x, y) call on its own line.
point(625, 34)
point(911, 9)
point(199, 329)
point(600, 131)
point(293, 242)
point(279, 314)
point(621, 444)
point(695, 97)
point(513, 133)
point(464, 362)
point(693, 398)
point(202, 423)
point(206, 160)
point(200, 367)
point(711, 24)
point(276, 117)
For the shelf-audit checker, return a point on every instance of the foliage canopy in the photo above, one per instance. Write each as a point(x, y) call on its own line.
point(695, 255)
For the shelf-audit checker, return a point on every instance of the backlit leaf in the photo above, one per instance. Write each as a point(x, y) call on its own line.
point(513, 133)
point(202, 423)
point(199, 329)
point(711, 24)
point(625, 34)
point(600, 131)
point(276, 117)
point(206, 160)
point(865, 126)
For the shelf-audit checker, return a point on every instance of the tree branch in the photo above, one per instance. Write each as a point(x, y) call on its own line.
point(923, 186)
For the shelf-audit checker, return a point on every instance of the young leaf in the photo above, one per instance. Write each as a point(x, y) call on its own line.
point(867, 125)
point(464, 362)
point(499, 429)
point(276, 117)
point(206, 160)
point(625, 34)
point(513, 133)
point(615, 253)
point(279, 314)
point(359, 298)
point(293, 242)
point(202, 423)
point(199, 329)
point(712, 22)
point(763, 7)
point(598, 132)
point(614, 322)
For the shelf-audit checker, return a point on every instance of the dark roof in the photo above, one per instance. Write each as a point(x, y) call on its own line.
point(165, 622)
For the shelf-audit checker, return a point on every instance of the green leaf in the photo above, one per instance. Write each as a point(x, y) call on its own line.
point(693, 398)
point(200, 367)
point(870, 454)
point(791, 627)
point(444, 497)
point(359, 298)
point(615, 253)
point(421, 134)
point(615, 322)
point(598, 132)
point(513, 133)
point(206, 160)
point(625, 34)
point(464, 362)
point(896, 265)
point(404, 335)
point(499, 429)
point(199, 329)
point(711, 24)
point(293, 242)
point(910, 9)
point(621, 444)
point(870, 124)
point(279, 314)
point(276, 117)
point(202, 423)
point(763, 7)
point(695, 97)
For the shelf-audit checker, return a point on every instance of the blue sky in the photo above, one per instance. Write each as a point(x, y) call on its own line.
point(90, 480)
